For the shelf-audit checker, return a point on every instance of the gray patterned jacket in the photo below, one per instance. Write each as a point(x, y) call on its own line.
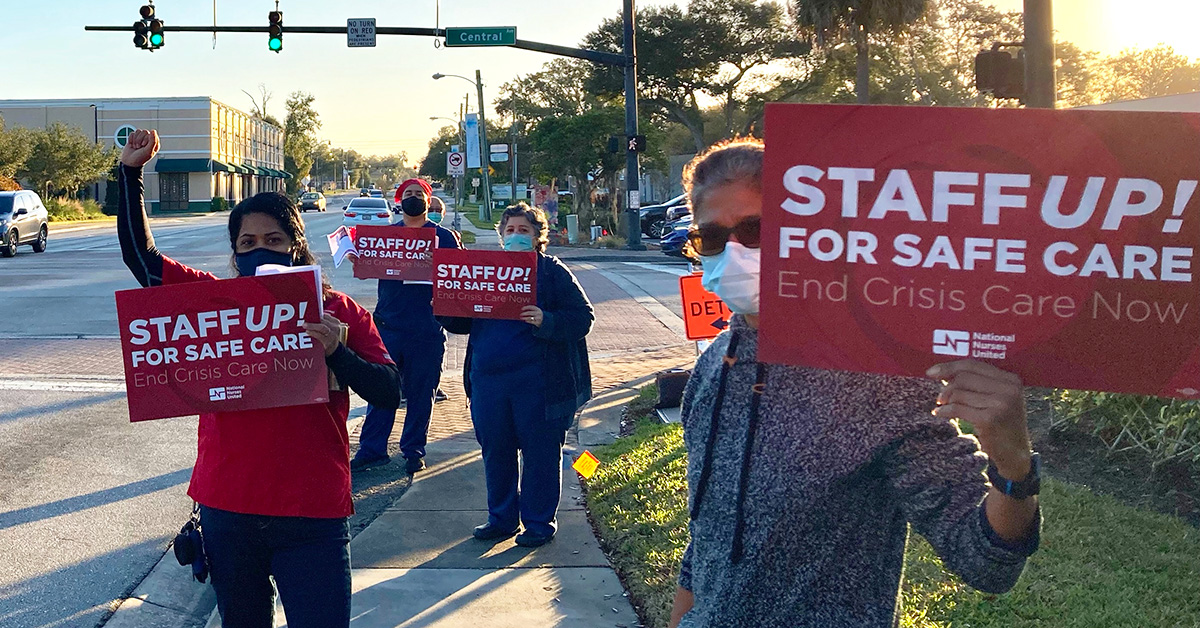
point(804, 512)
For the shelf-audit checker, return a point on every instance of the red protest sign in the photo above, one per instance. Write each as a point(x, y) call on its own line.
point(221, 346)
point(705, 315)
point(394, 252)
point(483, 284)
point(1059, 245)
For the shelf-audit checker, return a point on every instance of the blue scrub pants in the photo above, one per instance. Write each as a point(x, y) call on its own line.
point(509, 413)
point(420, 372)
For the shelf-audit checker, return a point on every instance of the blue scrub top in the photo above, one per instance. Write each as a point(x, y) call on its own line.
point(409, 306)
point(499, 346)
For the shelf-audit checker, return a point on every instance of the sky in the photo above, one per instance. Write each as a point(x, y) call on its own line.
point(379, 100)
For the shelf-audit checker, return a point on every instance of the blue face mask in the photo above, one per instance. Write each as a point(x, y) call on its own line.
point(249, 261)
point(435, 218)
point(518, 243)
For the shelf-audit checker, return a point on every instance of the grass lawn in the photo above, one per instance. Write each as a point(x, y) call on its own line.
point(1101, 563)
point(472, 214)
point(468, 237)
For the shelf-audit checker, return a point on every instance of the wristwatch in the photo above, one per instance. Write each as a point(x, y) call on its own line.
point(1018, 489)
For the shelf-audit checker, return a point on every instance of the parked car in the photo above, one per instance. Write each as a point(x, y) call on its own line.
point(677, 212)
point(672, 243)
point(366, 211)
point(654, 217)
point(23, 220)
point(312, 200)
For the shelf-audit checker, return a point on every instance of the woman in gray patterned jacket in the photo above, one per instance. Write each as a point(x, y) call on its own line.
point(803, 482)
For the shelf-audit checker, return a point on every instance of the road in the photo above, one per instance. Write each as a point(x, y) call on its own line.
point(89, 501)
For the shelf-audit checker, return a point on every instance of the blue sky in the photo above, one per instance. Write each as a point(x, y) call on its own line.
point(379, 100)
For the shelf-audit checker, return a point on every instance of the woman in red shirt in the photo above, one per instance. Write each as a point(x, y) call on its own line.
point(273, 485)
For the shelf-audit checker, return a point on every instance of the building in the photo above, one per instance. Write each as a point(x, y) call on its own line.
point(208, 149)
point(1185, 103)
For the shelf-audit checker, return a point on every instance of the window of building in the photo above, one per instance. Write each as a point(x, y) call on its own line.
point(173, 191)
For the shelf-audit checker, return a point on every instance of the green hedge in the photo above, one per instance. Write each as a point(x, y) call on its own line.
point(67, 209)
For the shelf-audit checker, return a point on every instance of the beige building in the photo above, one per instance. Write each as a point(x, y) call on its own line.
point(208, 149)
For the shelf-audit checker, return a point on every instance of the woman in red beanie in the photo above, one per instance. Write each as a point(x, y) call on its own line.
point(404, 315)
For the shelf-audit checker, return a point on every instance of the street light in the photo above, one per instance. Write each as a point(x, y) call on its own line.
point(486, 214)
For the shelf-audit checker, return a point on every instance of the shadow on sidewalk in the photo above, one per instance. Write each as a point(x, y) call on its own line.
point(79, 503)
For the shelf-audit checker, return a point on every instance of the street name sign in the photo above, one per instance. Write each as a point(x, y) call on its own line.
point(498, 148)
point(482, 36)
point(455, 164)
point(360, 32)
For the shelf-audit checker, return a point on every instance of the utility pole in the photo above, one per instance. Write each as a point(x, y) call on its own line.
point(633, 196)
point(1040, 86)
point(484, 152)
point(513, 143)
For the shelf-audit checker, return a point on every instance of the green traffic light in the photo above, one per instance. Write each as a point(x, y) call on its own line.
point(156, 39)
point(276, 44)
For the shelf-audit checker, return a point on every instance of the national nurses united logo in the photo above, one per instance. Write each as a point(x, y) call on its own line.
point(951, 342)
point(216, 394)
point(975, 344)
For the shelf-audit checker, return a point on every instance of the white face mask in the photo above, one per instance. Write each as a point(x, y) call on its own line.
point(733, 275)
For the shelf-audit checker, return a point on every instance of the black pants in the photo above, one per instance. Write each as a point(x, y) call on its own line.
point(309, 558)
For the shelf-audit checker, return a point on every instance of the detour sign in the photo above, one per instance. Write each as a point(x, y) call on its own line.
point(704, 313)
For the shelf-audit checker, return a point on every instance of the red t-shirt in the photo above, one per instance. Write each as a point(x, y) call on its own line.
point(284, 462)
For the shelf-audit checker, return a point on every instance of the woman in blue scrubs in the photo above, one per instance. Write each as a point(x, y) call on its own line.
point(526, 379)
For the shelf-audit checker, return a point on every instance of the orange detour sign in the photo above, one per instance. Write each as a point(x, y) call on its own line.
point(586, 464)
point(704, 313)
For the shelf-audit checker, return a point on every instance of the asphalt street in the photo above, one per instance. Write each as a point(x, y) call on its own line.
point(89, 501)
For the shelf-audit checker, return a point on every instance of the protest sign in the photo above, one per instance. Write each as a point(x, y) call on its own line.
point(483, 284)
point(705, 315)
point(341, 244)
point(394, 252)
point(221, 346)
point(1059, 245)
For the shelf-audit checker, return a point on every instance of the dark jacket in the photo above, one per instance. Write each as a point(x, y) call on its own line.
point(801, 515)
point(567, 319)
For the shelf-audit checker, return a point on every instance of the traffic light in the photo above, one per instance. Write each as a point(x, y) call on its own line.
point(141, 28)
point(637, 144)
point(156, 33)
point(1000, 73)
point(275, 18)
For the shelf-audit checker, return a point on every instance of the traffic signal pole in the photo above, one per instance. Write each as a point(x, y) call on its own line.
point(633, 198)
point(485, 152)
point(1040, 90)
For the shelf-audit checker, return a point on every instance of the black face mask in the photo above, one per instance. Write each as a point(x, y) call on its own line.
point(414, 206)
point(248, 262)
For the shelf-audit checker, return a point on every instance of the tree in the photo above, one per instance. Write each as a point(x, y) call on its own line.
point(299, 137)
point(835, 21)
point(1146, 73)
point(719, 49)
point(15, 148)
point(63, 159)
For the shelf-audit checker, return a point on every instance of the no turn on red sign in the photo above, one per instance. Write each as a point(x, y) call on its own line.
point(705, 315)
point(455, 164)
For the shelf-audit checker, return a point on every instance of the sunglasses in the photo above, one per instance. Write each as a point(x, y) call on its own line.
point(710, 239)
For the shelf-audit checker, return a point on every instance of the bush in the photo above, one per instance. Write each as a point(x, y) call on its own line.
point(1165, 429)
point(67, 209)
point(609, 242)
point(219, 204)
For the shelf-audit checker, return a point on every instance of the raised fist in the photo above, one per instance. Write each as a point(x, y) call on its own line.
point(139, 148)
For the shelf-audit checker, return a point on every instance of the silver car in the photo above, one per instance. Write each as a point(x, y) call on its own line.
point(23, 220)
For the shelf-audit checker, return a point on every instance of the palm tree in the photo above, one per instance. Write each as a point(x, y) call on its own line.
point(839, 19)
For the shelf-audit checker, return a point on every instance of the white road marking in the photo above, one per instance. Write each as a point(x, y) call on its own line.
point(60, 386)
point(678, 271)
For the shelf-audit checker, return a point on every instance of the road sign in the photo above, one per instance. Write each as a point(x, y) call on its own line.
point(456, 164)
point(704, 314)
point(498, 157)
point(360, 32)
point(498, 148)
point(484, 36)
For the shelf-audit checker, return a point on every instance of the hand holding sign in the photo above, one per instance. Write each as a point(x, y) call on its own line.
point(993, 401)
point(533, 315)
point(328, 332)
